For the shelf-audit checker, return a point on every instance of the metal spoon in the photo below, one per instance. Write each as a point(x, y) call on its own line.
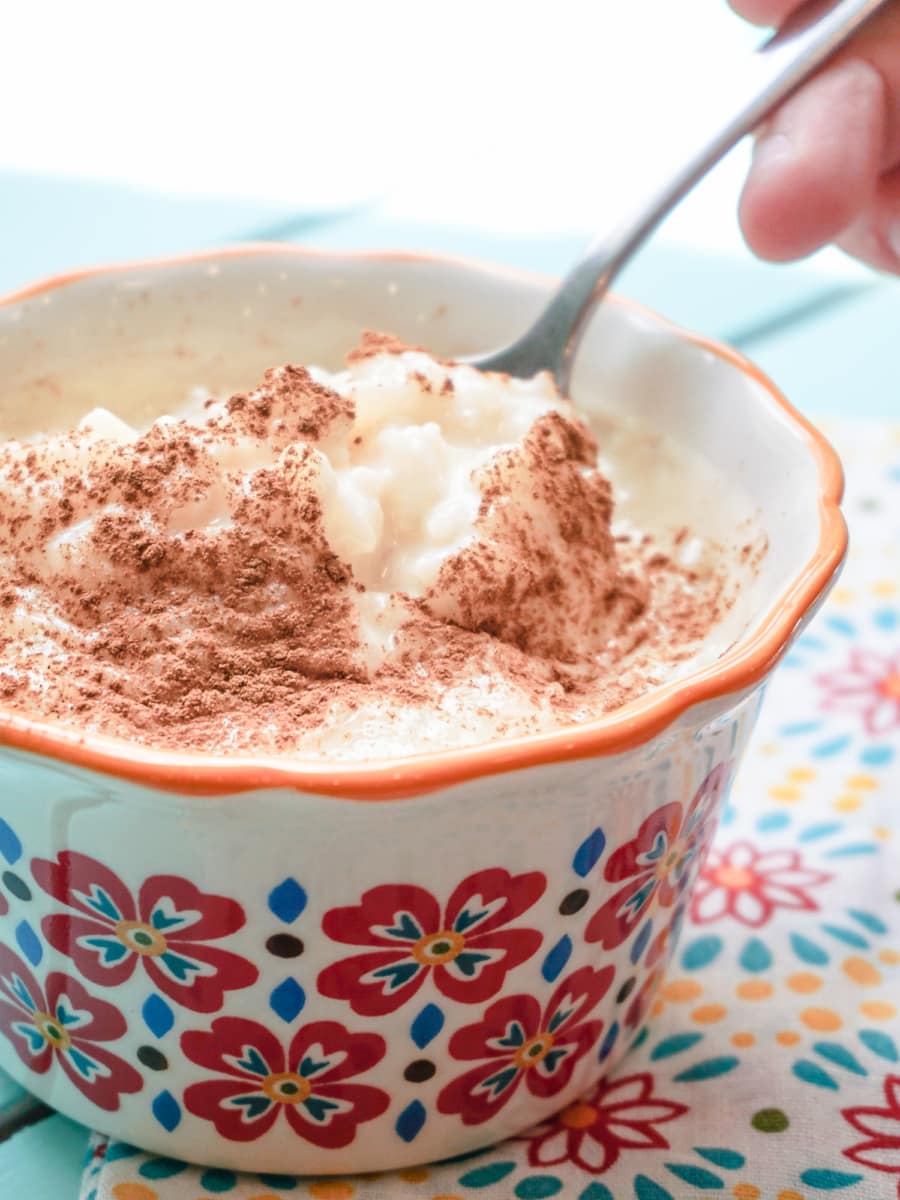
point(809, 39)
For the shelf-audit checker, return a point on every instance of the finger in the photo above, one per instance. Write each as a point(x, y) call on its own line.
point(875, 236)
point(877, 44)
point(765, 12)
point(816, 167)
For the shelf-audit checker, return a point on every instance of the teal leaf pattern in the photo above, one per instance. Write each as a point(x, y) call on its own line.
point(485, 1176)
point(648, 1189)
point(829, 1181)
point(840, 1056)
point(676, 1044)
point(880, 1043)
point(731, 1160)
point(701, 952)
point(709, 1068)
point(756, 956)
point(697, 1177)
point(810, 1072)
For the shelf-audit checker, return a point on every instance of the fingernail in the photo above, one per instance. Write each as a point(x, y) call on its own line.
point(893, 237)
point(772, 151)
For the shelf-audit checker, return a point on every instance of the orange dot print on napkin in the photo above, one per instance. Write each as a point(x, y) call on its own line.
point(133, 1191)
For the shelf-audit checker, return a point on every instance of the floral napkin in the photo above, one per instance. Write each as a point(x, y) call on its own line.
point(770, 1065)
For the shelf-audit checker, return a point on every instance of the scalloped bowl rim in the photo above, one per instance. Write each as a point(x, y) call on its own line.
point(742, 666)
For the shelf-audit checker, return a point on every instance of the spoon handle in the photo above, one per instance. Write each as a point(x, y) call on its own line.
point(807, 41)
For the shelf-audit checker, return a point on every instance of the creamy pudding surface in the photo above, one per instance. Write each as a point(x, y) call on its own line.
point(405, 556)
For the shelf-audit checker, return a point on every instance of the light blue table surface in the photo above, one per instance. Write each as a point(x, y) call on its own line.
point(829, 343)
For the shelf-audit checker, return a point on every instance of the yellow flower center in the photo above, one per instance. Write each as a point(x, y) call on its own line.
point(287, 1088)
point(578, 1116)
point(533, 1051)
point(51, 1031)
point(141, 938)
point(670, 861)
point(890, 686)
point(437, 948)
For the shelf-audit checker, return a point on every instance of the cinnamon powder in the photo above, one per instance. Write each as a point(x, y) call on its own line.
point(243, 634)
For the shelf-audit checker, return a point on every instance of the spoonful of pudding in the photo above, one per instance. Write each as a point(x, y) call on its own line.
point(783, 63)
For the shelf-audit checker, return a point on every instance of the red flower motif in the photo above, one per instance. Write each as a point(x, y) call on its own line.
point(749, 885)
point(620, 1114)
point(65, 1023)
point(515, 1041)
point(258, 1079)
point(881, 1150)
point(465, 947)
point(658, 863)
point(165, 931)
point(870, 686)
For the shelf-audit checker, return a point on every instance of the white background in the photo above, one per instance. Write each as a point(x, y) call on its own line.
point(521, 116)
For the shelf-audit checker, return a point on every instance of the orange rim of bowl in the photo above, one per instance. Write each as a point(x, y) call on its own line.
point(740, 668)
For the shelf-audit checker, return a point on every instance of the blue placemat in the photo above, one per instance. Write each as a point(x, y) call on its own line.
point(49, 225)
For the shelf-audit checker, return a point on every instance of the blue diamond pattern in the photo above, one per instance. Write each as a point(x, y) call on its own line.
point(287, 901)
point(427, 1025)
point(166, 1110)
point(640, 943)
point(158, 1017)
point(410, 1122)
point(287, 999)
point(612, 1035)
point(28, 943)
point(557, 958)
point(588, 852)
point(10, 846)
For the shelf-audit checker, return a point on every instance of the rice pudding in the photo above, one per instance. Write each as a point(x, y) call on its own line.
point(403, 556)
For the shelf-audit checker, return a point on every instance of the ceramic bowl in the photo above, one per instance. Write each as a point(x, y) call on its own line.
point(316, 967)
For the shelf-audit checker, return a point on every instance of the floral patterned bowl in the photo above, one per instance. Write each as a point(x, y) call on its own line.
point(318, 968)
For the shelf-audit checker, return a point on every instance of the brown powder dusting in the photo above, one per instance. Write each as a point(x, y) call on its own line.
point(549, 584)
point(289, 407)
point(197, 607)
point(192, 626)
point(373, 343)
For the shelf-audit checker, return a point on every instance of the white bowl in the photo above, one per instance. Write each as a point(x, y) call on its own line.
point(275, 887)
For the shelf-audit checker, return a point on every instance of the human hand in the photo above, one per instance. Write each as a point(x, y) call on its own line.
point(827, 164)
